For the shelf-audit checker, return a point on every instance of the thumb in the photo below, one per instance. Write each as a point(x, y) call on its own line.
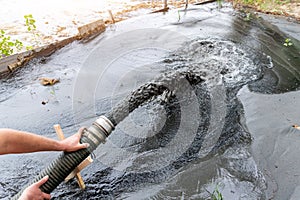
point(42, 181)
point(84, 145)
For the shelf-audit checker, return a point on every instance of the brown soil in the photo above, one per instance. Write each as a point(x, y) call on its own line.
point(290, 9)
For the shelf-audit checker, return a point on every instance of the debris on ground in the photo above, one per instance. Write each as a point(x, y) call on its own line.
point(296, 127)
point(48, 81)
point(44, 102)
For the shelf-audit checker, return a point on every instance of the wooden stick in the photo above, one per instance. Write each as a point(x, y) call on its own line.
point(59, 132)
point(83, 164)
point(111, 17)
point(165, 4)
point(205, 2)
point(296, 127)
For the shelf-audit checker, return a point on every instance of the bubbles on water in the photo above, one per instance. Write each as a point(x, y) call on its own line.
point(221, 60)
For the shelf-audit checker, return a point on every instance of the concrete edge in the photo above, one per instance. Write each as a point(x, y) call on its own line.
point(11, 63)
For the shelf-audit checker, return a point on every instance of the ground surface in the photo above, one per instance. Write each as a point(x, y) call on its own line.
point(268, 116)
point(56, 21)
point(290, 8)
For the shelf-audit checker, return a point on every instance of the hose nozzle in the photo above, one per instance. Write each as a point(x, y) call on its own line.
point(99, 131)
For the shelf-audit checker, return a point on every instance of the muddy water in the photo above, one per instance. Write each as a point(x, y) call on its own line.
point(232, 131)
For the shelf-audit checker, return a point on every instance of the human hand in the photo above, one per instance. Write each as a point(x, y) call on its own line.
point(34, 192)
point(72, 143)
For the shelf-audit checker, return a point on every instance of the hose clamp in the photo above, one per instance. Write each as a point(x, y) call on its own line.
point(105, 124)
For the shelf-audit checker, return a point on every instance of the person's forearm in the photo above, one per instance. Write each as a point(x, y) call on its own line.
point(13, 141)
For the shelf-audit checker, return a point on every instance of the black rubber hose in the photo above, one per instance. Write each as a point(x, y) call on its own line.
point(60, 168)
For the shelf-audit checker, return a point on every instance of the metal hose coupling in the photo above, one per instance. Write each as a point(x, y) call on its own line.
point(99, 131)
point(60, 168)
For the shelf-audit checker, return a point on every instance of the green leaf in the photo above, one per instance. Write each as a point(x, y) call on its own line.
point(29, 48)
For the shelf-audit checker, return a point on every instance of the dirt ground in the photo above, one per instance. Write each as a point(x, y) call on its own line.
point(61, 21)
point(288, 8)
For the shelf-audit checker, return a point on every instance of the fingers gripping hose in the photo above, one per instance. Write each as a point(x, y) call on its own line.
point(60, 168)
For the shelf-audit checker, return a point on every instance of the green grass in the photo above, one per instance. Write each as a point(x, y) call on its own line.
point(216, 194)
point(7, 45)
point(273, 6)
point(288, 42)
point(31, 27)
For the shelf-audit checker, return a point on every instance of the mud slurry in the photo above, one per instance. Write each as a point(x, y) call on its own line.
point(214, 132)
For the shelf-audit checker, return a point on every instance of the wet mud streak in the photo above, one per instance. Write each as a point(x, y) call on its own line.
point(164, 84)
point(203, 64)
